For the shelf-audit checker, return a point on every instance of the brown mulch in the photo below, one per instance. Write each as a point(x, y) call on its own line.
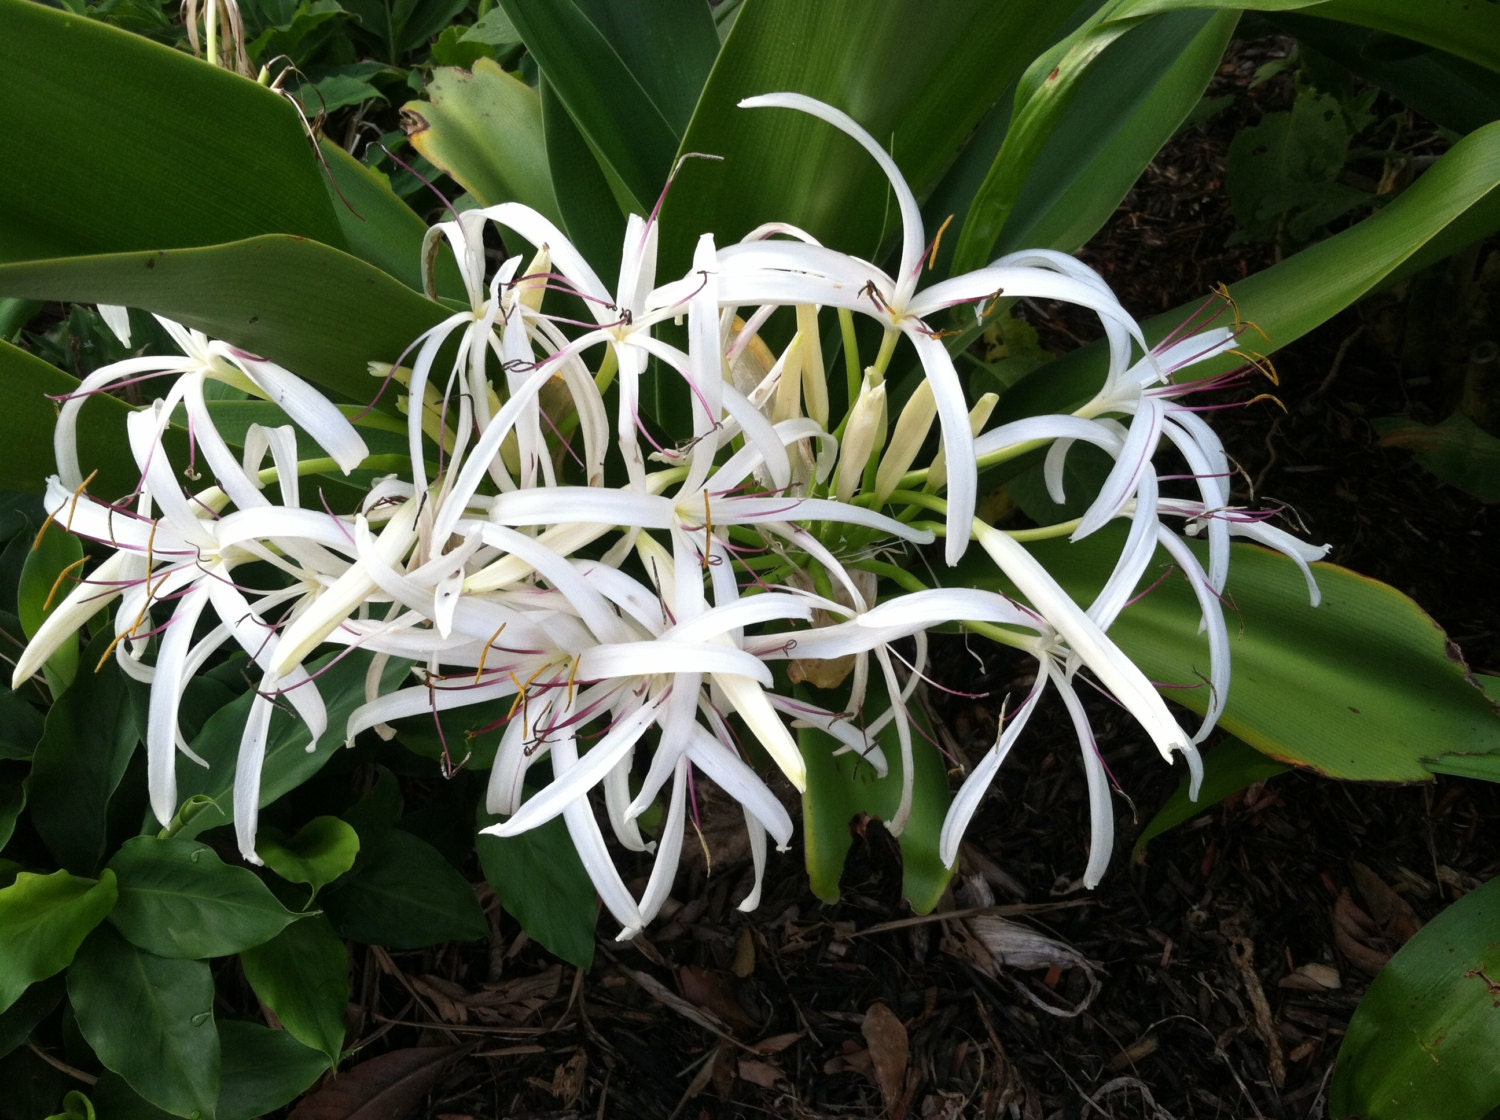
point(1215, 979)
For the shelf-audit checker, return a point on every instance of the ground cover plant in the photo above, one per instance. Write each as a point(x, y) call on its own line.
point(631, 567)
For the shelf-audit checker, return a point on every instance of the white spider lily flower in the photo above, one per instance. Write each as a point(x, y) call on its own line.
point(1088, 642)
point(658, 683)
point(779, 272)
point(204, 359)
point(1253, 525)
point(871, 632)
point(183, 562)
point(1101, 809)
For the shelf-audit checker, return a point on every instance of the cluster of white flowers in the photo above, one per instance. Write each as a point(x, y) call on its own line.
point(639, 607)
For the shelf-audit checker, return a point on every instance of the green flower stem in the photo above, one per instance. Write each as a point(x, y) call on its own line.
point(1045, 532)
point(607, 370)
point(883, 358)
point(853, 372)
point(1015, 639)
point(898, 575)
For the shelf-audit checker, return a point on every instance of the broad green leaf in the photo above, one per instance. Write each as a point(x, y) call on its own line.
point(1363, 687)
point(303, 976)
point(1466, 28)
point(1451, 92)
point(403, 894)
point(377, 226)
point(151, 1020)
point(12, 801)
point(591, 217)
point(104, 128)
point(625, 130)
point(1128, 104)
point(44, 585)
point(322, 850)
point(1045, 90)
point(1453, 203)
point(1425, 1040)
point(1232, 765)
point(28, 419)
point(539, 879)
point(484, 128)
point(179, 900)
point(383, 434)
point(19, 1019)
point(1456, 450)
point(317, 311)
point(917, 74)
point(1463, 764)
point(90, 735)
point(669, 47)
point(262, 1069)
point(288, 762)
point(116, 1100)
point(45, 919)
point(841, 789)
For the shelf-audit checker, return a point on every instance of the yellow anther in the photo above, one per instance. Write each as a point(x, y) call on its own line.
point(479, 672)
point(57, 583)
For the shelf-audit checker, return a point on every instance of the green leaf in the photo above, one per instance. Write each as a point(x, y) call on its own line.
point(315, 310)
point(42, 588)
point(841, 789)
point(179, 900)
point(1283, 172)
point(116, 1100)
point(302, 975)
point(322, 850)
point(1451, 92)
point(29, 416)
point(403, 894)
point(20, 727)
point(1462, 27)
point(1232, 765)
point(669, 47)
point(263, 1069)
point(1456, 450)
point(12, 801)
point(1128, 104)
point(484, 128)
point(19, 1019)
point(591, 217)
point(1425, 1040)
point(104, 125)
point(151, 1020)
point(1044, 92)
point(377, 226)
point(538, 878)
point(45, 918)
point(494, 30)
point(90, 735)
point(76, 1106)
point(288, 763)
point(920, 76)
point(1363, 687)
point(626, 131)
point(1454, 202)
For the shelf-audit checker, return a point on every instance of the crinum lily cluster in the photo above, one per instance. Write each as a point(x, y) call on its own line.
point(642, 609)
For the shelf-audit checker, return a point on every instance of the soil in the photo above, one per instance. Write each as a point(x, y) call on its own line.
point(1213, 980)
